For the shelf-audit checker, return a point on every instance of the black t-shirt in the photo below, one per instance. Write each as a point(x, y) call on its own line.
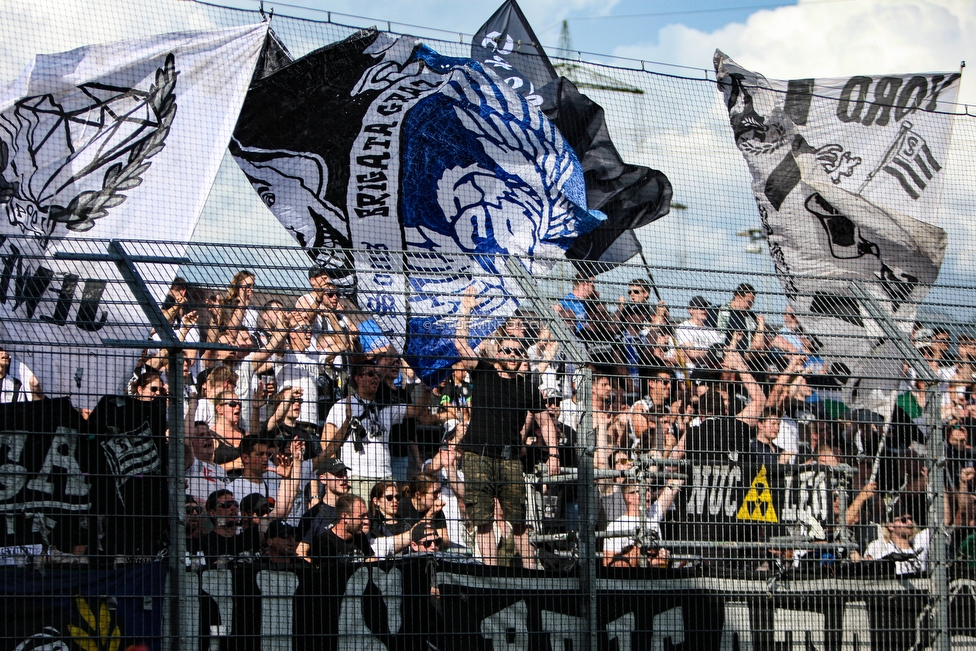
point(215, 546)
point(411, 516)
point(315, 521)
point(717, 440)
point(498, 409)
point(328, 546)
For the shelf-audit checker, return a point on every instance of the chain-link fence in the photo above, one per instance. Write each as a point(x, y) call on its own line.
point(639, 473)
point(429, 434)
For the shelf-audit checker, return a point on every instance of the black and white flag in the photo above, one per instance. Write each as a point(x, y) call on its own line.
point(119, 140)
point(384, 145)
point(631, 196)
point(847, 175)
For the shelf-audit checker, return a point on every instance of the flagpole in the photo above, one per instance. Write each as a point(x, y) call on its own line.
point(647, 270)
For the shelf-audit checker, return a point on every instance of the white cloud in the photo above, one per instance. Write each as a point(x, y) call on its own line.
point(825, 39)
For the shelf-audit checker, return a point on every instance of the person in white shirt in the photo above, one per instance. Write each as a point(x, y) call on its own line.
point(202, 475)
point(19, 384)
point(624, 550)
point(901, 537)
point(360, 428)
point(693, 337)
point(286, 486)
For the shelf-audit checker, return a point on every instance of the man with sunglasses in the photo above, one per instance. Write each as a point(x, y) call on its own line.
point(360, 427)
point(285, 487)
point(504, 404)
point(227, 540)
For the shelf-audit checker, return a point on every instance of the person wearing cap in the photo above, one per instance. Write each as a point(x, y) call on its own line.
point(901, 538)
point(425, 539)
point(280, 548)
point(334, 476)
point(736, 316)
point(693, 338)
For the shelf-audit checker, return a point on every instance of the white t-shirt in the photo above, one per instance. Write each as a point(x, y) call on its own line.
point(879, 548)
point(300, 370)
point(23, 375)
point(203, 478)
point(269, 485)
point(374, 459)
point(690, 335)
point(626, 524)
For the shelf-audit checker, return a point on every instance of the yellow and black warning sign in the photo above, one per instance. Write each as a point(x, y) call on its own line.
point(758, 503)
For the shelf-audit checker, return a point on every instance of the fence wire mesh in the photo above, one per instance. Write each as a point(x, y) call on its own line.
point(214, 441)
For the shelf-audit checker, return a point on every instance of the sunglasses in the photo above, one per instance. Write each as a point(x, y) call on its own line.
point(511, 351)
point(390, 498)
point(233, 404)
point(193, 510)
point(904, 519)
point(227, 505)
point(635, 291)
point(436, 542)
point(331, 294)
point(622, 461)
point(154, 389)
point(298, 399)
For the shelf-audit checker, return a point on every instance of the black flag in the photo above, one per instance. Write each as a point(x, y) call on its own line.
point(507, 45)
point(630, 195)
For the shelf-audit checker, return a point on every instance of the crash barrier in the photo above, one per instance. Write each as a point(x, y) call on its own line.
point(429, 601)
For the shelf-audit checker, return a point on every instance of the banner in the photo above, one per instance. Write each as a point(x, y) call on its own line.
point(120, 140)
point(847, 175)
point(386, 145)
point(429, 602)
point(507, 45)
point(45, 493)
point(70, 609)
point(630, 195)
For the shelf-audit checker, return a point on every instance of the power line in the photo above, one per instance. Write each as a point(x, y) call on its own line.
point(706, 11)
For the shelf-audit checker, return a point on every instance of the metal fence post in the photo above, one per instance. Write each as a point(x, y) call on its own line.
point(935, 462)
point(177, 501)
point(586, 444)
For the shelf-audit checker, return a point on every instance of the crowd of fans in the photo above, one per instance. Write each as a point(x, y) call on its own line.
point(308, 438)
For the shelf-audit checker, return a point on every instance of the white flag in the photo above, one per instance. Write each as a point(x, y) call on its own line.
point(846, 174)
point(123, 141)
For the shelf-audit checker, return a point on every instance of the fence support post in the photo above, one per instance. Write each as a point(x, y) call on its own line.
point(935, 462)
point(586, 444)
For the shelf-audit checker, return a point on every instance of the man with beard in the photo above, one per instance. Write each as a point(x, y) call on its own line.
point(505, 403)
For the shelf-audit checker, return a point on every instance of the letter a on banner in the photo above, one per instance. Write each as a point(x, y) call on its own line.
point(758, 503)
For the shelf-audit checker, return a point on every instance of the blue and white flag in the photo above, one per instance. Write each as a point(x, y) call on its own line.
point(847, 175)
point(381, 145)
point(119, 140)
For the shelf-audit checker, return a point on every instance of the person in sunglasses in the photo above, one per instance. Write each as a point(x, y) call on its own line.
point(227, 540)
point(903, 542)
point(359, 427)
point(422, 502)
point(504, 404)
